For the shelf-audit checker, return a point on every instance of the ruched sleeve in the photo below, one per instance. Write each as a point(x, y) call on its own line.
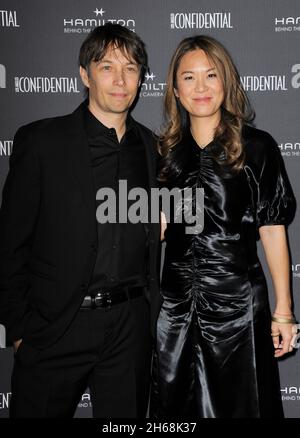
point(275, 201)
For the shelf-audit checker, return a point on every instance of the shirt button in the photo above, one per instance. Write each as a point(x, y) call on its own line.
point(112, 279)
point(114, 246)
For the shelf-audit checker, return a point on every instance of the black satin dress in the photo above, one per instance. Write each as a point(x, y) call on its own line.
point(214, 355)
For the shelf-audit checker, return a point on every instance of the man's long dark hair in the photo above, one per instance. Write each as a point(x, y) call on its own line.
point(109, 36)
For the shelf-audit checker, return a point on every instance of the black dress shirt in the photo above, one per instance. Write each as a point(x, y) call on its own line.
point(122, 247)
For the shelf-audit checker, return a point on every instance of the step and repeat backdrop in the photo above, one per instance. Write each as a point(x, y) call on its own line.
point(39, 45)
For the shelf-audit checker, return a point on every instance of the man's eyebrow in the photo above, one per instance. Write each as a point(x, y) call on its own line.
point(110, 62)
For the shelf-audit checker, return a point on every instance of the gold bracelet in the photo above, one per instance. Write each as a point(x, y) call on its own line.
point(284, 320)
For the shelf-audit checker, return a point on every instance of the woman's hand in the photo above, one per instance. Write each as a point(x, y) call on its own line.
point(163, 225)
point(283, 336)
point(16, 345)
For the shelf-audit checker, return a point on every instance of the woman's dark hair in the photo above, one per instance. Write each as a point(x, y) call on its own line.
point(235, 110)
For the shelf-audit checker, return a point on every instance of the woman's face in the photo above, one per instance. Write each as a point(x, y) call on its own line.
point(199, 86)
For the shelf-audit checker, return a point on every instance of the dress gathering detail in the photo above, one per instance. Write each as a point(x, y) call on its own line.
point(214, 353)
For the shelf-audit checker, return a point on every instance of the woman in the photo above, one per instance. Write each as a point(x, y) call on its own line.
point(215, 356)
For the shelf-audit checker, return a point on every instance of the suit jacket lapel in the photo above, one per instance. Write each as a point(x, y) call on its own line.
point(79, 156)
point(149, 145)
point(150, 157)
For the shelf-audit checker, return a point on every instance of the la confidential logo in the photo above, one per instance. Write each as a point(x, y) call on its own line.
point(4, 400)
point(8, 19)
point(272, 82)
point(287, 24)
point(151, 87)
point(200, 20)
point(44, 84)
point(41, 84)
point(6, 147)
point(97, 18)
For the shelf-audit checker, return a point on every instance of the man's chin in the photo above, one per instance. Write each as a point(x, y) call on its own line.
point(118, 110)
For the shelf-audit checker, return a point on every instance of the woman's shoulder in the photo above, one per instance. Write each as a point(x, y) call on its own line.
point(258, 144)
point(257, 137)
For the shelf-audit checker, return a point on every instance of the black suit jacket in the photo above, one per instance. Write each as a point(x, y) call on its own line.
point(48, 233)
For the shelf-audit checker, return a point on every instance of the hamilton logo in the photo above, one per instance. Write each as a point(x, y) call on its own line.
point(147, 76)
point(99, 11)
point(152, 88)
point(87, 23)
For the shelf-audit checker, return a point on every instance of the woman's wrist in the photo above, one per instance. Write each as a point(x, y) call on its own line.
point(283, 307)
point(290, 313)
point(283, 312)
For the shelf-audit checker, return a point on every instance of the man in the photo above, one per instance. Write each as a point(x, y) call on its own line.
point(75, 292)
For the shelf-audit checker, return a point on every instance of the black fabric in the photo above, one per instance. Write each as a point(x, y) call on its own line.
point(122, 247)
point(48, 229)
point(214, 355)
point(108, 350)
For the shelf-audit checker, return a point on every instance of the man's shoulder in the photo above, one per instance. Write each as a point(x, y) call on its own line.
point(146, 132)
point(40, 135)
point(46, 125)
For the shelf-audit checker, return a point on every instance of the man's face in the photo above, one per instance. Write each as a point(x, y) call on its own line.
point(113, 83)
